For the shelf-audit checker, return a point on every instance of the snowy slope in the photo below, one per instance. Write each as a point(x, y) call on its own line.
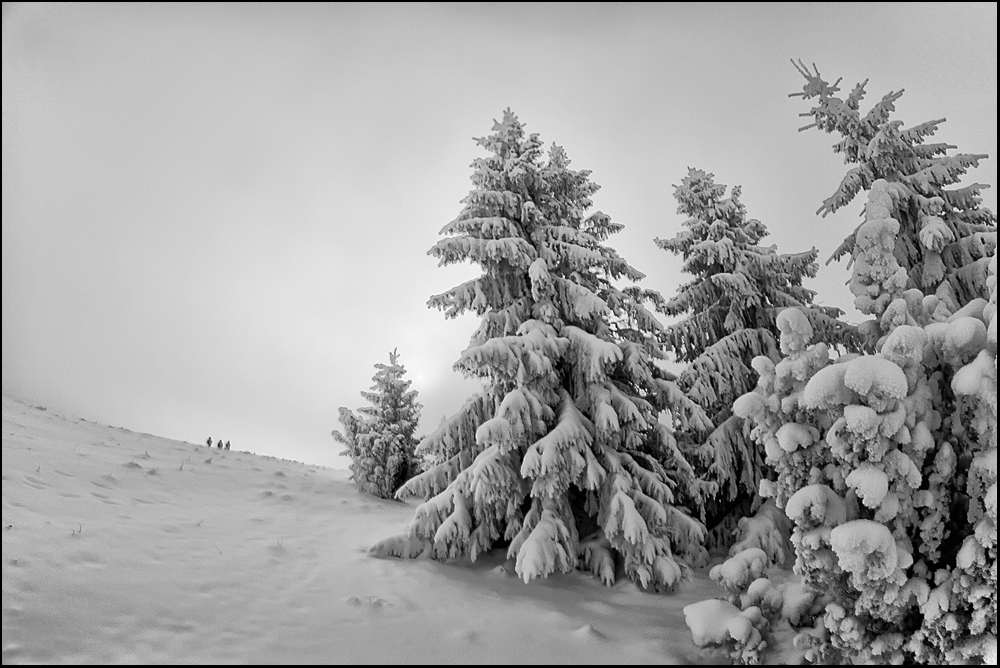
point(126, 547)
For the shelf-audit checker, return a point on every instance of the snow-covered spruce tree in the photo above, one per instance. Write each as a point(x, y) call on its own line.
point(945, 237)
point(974, 581)
point(380, 441)
point(561, 456)
point(728, 314)
point(882, 460)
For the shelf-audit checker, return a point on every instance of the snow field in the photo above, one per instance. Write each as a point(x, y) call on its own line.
point(121, 547)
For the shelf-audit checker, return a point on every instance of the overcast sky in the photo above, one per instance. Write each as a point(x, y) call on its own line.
point(216, 217)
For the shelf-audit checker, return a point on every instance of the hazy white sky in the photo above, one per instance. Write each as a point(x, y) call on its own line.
point(216, 217)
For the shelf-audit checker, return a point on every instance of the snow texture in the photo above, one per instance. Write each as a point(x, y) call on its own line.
point(768, 530)
point(870, 483)
point(865, 549)
point(793, 321)
point(715, 622)
point(739, 570)
point(827, 389)
point(815, 504)
point(792, 436)
point(796, 601)
point(875, 378)
point(905, 345)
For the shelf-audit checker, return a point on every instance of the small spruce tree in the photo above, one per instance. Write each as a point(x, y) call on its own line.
point(561, 457)
point(728, 312)
point(380, 440)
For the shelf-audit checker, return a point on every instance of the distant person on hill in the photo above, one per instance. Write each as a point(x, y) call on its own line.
point(227, 445)
point(209, 441)
point(218, 444)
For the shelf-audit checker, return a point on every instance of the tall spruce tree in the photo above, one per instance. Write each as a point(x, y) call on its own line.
point(380, 441)
point(728, 314)
point(561, 456)
point(887, 463)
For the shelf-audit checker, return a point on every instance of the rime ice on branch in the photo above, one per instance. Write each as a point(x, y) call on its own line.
point(561, 455)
